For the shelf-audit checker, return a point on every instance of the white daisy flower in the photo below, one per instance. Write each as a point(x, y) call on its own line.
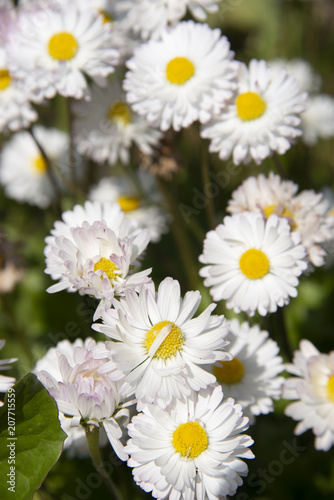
point(144, 210)
point(313, 389)
point(263, 118)
point(105, 128)
point(159, 345)
point(253, 264)
point(56, 54)
point(306, 211)
point(318, 119)
point(94, 259)
point(251, 376)
point(23, 170)
point(5, 382)
point(16, 111)
point(194, 450)
point(186, 76)
point(75, 442)
point(82, 394)
point(148, 18)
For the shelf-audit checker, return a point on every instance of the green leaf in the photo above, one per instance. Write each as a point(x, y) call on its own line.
point(37, 441)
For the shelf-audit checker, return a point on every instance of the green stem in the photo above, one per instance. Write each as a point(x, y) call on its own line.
point(281, 327)
point(210, 209)
point(279, 166)
point(92, 436)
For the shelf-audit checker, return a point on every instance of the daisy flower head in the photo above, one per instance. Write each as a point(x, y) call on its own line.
point(158, 346)
point(105, 128)
point(185, 76)
point(5, 382)
point(312, 389)
point(23, 170)
point(96, 258)
point(252, 263)
point(251, 377)
point(193, 450)
point(306, 211)
point(83, 396)
point(56, 55)
point(318, 119)
point(16, 111)
point(263, 118)
point(148, 18)
point(142, 207)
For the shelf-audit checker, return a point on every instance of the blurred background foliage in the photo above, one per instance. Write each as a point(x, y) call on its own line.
point(31, 320)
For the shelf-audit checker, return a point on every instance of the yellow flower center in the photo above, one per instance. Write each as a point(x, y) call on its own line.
point(250, 106)
point(39, 164)
point(119, 112)
point(172, 343)
point(179, 70)
point(63, 46)
point(254, 264)
point(229, 372)
point(281, 211)
point(190, 439)
point(105, 16)
point(330, 388)
point(108, 267)
point(128, 203)
point(4, 79)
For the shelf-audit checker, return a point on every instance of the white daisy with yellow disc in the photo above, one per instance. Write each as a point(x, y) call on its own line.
point(306, 211)
point(185, 76)
point(252, 263)
point(106, 129)
point(158, 347)
point(57, 54)
point(97, 255)
point(263, 117)
point(312, 389)
point(196, 449)
point(23, 171)
point(251, 377)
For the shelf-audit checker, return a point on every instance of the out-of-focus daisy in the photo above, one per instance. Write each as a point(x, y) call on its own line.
point(145, 210)
point(194, 450)
point(5, 382)
point(185, 76)
point(306, 211)
point(23, 171)
point(96, 258)
point(56, 55)
point(105, 128)
point(253, 263)
point(159, 346)
point(16, 111)
point(308, 80)
point(149, 18)
point(251, 376)
point(264, 117)
point(313, 389)
point(83, 395)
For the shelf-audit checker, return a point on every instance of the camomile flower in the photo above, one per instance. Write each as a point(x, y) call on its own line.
point(146, 210)
point(94, 259)
point(193, 450)
point(185, 76)
point(148, 18)
point(16, 111)
point(83, 396)
point(56, 54)
point(23, 170)
point(158, 347)
point(5, 382)
point(75, 443)
point(253, 263)
point(318, 119)
point(263, 118)
point(251, 376)
point(312, 388)
point(306, 211)
point(105, 128)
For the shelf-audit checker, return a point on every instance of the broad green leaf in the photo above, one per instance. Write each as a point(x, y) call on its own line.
point(32, 444)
